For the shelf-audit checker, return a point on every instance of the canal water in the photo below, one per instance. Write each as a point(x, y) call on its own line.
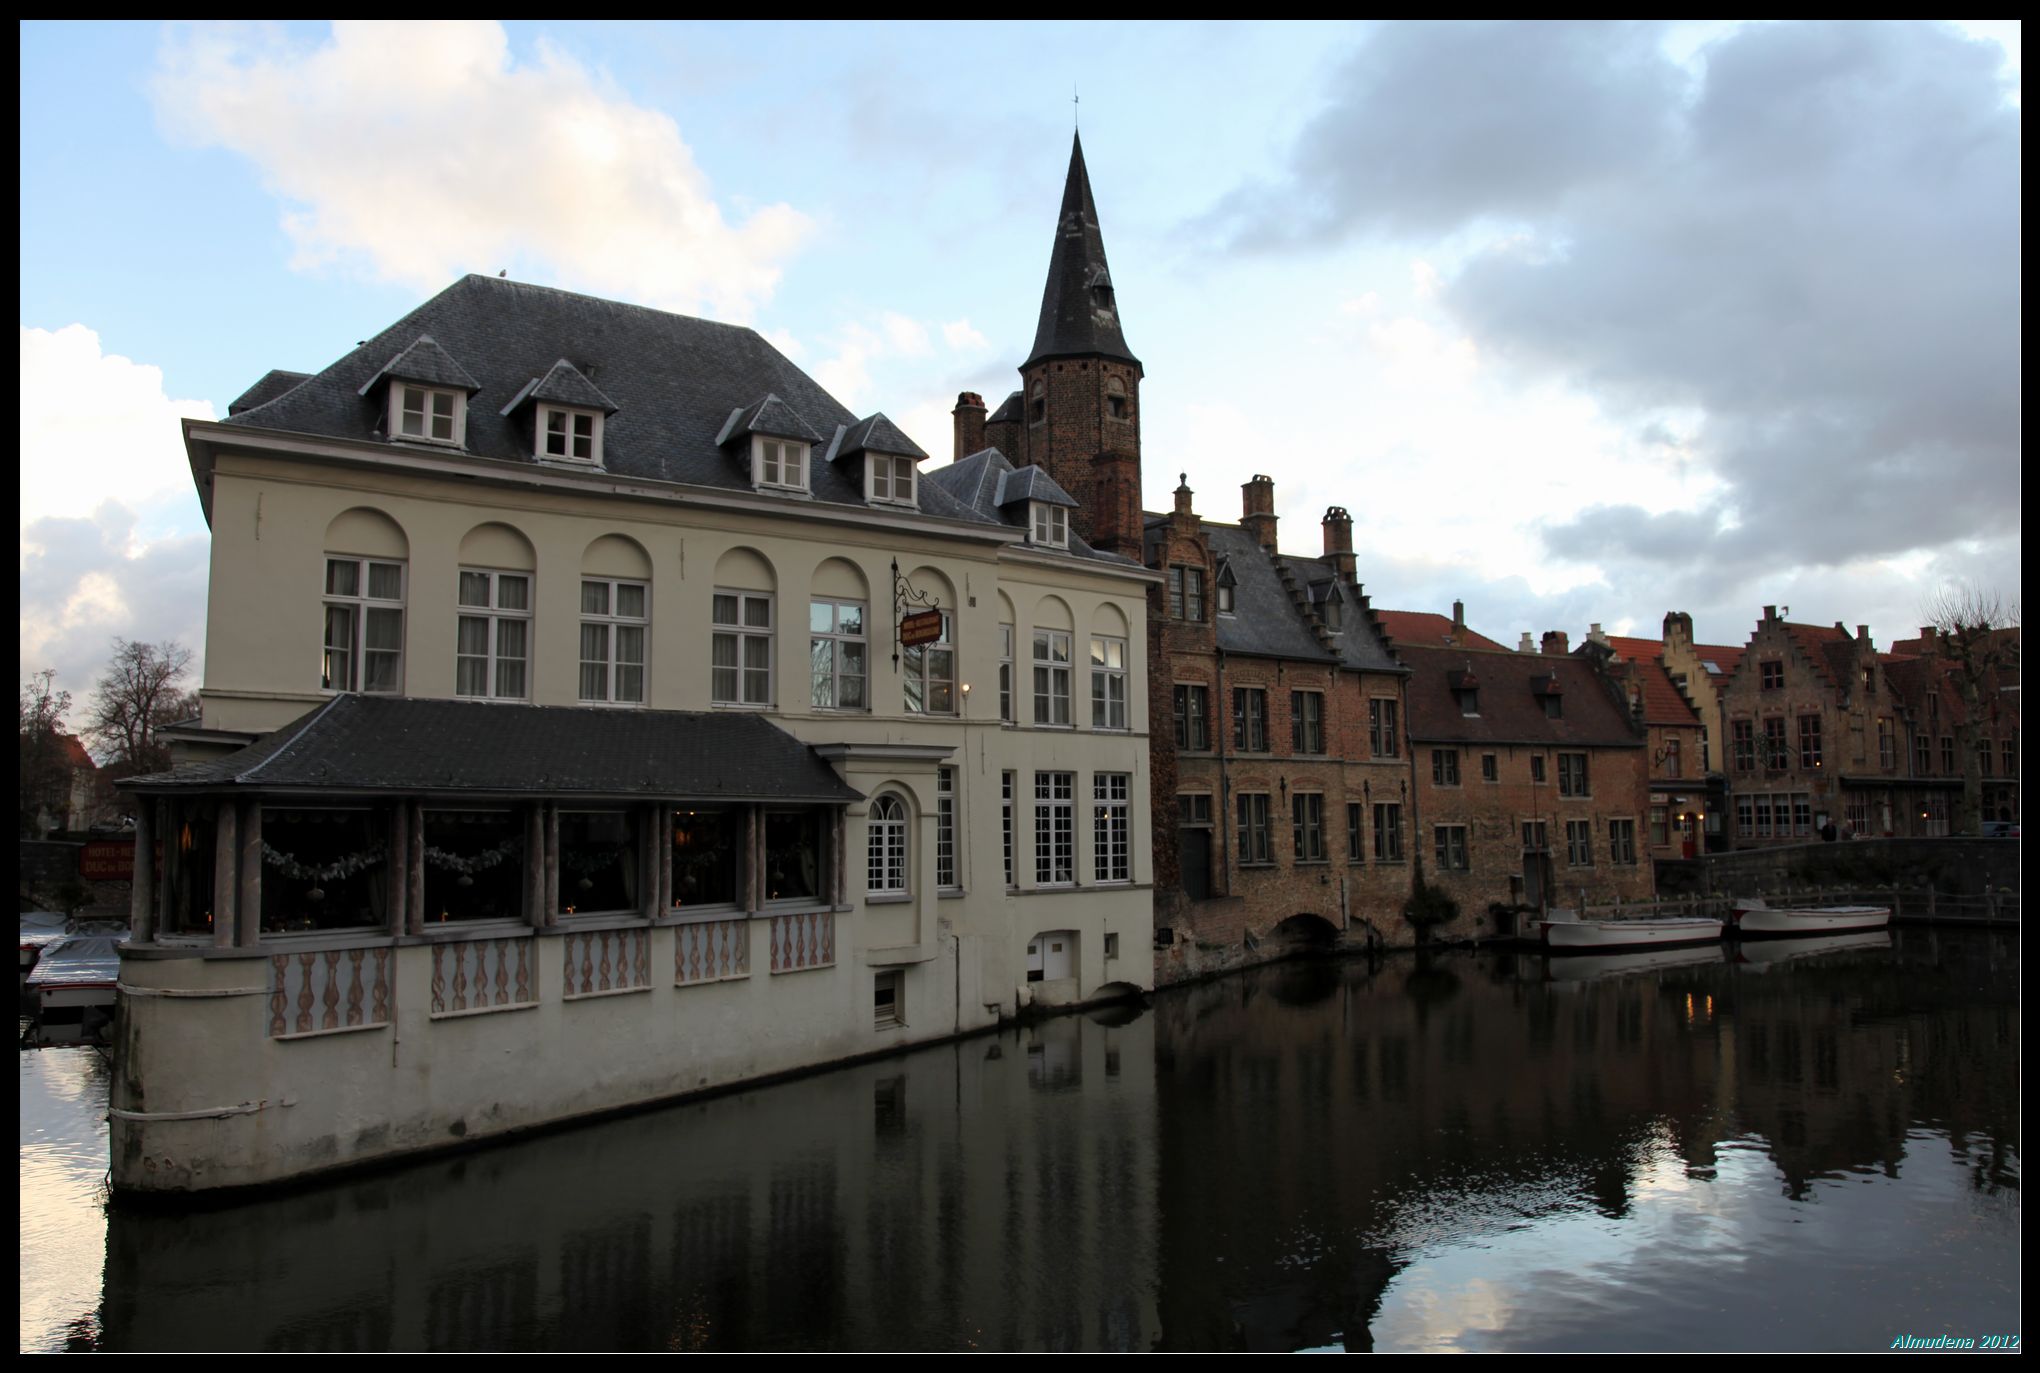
point(1818, 1150)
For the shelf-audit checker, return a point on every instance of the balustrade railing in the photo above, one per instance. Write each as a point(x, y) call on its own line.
point(328, 991)
point(801, 942)
point(711, 951)
point(603, 961)
point(482, 975)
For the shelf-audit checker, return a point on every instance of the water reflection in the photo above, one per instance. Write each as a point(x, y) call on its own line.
point(1818, 1150)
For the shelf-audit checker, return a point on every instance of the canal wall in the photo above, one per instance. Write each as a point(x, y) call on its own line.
point(1953, 867)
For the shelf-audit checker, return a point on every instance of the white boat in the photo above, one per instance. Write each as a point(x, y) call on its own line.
point(1564, 930)
point(1754, 917)
point(74, 986)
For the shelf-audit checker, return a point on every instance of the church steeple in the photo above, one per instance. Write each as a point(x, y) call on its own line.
point(1079, 315)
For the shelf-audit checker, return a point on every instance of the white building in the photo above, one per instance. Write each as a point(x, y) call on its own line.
point(567, 745)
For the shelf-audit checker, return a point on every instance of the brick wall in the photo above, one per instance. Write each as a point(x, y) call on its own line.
point(1093, 456)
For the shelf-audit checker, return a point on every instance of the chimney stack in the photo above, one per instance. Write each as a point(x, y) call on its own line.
point(1863, 633)
point(1527, 645)
point(1257, 510)
point(970, 425)
point(1770, 612)
point(1339, 542)
point(1183, 494)
point(1927, 637)
point(1554, 643)
point(1595, 636)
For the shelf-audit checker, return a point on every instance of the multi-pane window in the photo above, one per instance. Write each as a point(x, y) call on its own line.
point(838, 655)
point(1809, 741)
point(1388, 833)
point(886, 862)
point(945, 828)
point(1745, 817)
point(1572, 774)
point(572, 434)
point(1223, 593)
point(1622, 842)
point(1006, 822)
point(1742, 742)
point(1802, 814)
point(1193, 808)
point(1006, 674)
point(1108, 683)
point(598, 855)
point(1660, 827)
point(1051, 525)
point(1775, 756)
point(364, 609)
point(1771, 676)
point(1490, 771)
point(1536, 837)
point(1186, 593)
point(740, 649)
point(1983, 757)
point(1450, 843)
point(613, 629)
point(1671, 759)
point(1887, 745)
point(492, 638)
point(2008, 754)
point(1579, 843)
point(1055, 829)
point(1763, 801)
point(1111, 826)
point(1193, 718)
point(1307, 823)
point(1250, 719)
point(1307, 721)
point(1537, 767)
point(892, 478)
point(1353, 822)
point(1923, 754)
point(929, 671)
point(1254, 840)
point(1948, 753)
point(1445, 767)
point(1051, 677)
point(1383, 738)
point(434, 416)
point(782, 462)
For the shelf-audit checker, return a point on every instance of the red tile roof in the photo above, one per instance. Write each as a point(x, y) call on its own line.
point(1636, 650)
point(1511, 710)
point(1423, 628)
point(1663, 702)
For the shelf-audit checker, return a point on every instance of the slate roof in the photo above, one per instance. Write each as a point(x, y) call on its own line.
point(1511, 707)
point(564, 385)
point(425, 361)
point(1008, 411)
point(1421, 627)
point(273, 384)
point(1075, 322)
point(877, 434)
point(769, 416)
point(673, 379)
point(1827, 647)
point(394, 744)
point(1357, 643)
point(973, 484)
point(1031, 483)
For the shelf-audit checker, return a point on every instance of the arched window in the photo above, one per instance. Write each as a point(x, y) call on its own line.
point(1115, 393)
point(886, 871)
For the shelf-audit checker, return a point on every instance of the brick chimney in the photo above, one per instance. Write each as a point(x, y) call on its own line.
point(1458, 619)
point(1339, 542)
point(970, 424)
point(1678, 627)
point(1183, 494)
point(1527, 645)
point(1770, 612)
point(1863, 635)
point(1927, 638)
point(1257, 510)
point(1555, 644)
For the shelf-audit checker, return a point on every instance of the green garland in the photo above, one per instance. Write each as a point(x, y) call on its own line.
point(353, 863)
point(481, 862)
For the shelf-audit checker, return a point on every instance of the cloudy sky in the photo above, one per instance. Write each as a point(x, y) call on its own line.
point(1582, 323)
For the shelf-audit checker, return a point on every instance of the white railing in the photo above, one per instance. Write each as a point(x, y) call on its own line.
point(329, 990)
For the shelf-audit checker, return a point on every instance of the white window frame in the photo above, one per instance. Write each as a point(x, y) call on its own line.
point(358, 605)
point(1006, 823)
point(839, 642)
point(496, 619)
point(886, 866)
point(543, 435)
point(1006, 636)
point(946, 878)
point(400, 394)
point(922, 685)
point(1055, 829)
point(740, 634)
point(771, 460)
point(613, 623)
point(883, 475)
point(1108, 712)
point(1050, 524)
point(1112, 826)
point(1052, 678)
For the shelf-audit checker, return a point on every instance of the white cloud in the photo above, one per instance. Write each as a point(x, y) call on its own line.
point(422, 151)
point(962, 337)
point(87, 411)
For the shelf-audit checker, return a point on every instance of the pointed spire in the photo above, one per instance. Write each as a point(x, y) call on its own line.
point(1079, 314)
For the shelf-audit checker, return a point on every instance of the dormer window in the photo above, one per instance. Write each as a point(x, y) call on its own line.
point(428, 414)
point(569, 435)
point(780, 463)
point(891, 478)
point(1468, 699)
point(1051, 525)
point(1334, 615)
point(1225, 597)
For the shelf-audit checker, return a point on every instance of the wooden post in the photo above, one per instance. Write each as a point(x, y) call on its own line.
point(166, 838)
point(552, 864)
point(662, 838)
point(399, 875)
point(226, 875)
point(754, 859)
point(142, 885)
point(248, 922)
point(414, 874)
point(534, 864)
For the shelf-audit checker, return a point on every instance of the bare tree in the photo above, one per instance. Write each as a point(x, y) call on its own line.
point(43, 774)
point(1976, 641)
point(136, 696)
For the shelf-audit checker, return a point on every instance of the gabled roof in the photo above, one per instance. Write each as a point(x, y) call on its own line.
point(1031, 484)
point(273, 384)
point(424, 361)
point(771, 417)
point(1818, 644)
point(1720, 659)
point(1422, 628)
point(1511, 708)
point(1265, 622)
point(1356, 641)
point(973, 485)
point(564, 385)
point(1076, 319)
point(410, 745)
point(1009, 411)
point(877, 434)
point(1663, 702)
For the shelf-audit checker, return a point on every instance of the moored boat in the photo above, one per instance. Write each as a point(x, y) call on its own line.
point(1754, 917)
point(74, 988)
point(1563, 930)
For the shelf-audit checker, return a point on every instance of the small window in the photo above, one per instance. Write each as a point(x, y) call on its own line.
point(569, 435)
point(427, 414)
point(1051, 525)
point(892, 478)
point(780, 463)
point(887, 1009)
point(1770, 675)
point(1038, 402)
point(1115, 389)
point(1489, 770)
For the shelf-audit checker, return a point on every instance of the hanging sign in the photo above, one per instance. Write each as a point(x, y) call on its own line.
point(921, 627)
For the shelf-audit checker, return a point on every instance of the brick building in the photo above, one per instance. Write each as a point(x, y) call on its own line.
point(1925, 675)
point(1531, 778)
point(1675, 820)
point(1700, 671)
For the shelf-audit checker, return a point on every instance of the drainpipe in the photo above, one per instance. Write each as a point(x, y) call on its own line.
point(1221, 715)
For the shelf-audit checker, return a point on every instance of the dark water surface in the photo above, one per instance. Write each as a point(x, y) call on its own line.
point(1819, 1151)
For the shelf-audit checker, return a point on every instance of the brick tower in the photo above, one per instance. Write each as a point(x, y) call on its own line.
point(1080, 386)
